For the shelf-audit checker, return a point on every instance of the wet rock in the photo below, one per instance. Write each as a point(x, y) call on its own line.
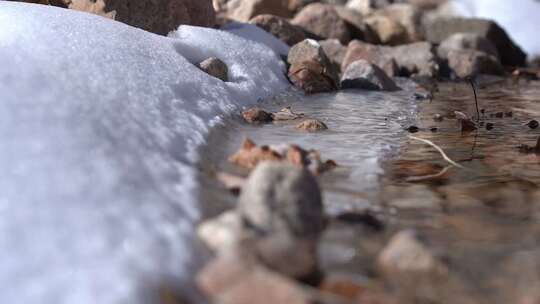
point(323, 21)
point(312, 125)
point(280, 27)
point(257, 115)
point(377, 55)
point(244, 10)
point(439, 29)
point(287, 255)
point(467, 41)
point(250, 155)
point(280, 198)
point(363, 75)
point(215, 67)
point(388, 30)
point(413, 129)
point(406, 256)
point(335, 51)
point(157, 16)
point(416, 59)
point(310, 69)
point(469, 63)
point(222, 233)
point(467, 125)
point(286, 114)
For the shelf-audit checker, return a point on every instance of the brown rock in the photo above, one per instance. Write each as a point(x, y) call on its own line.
point(215, 67)
point(244, 10)
point(280, 28)
point(250, 155)
point(356, 25)
point(323, 21)
point(311, 125)
point(416, 59)
point(388, 30)
point(286, 114)
point(409, 17)
point(335, 51)
point(256, 115)
point(158, 16)
point(377, 55)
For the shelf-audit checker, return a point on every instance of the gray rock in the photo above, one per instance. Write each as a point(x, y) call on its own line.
point(356, 25)
point(465, 41)
point(466, 63)
point(362, 74)
point(416, 59)
point(280, 28)
point(323, 21)
point(280, 198)
point(439, 29)
point(215, 67)
point(366, 7)
point(409, 17)
point(223, 232)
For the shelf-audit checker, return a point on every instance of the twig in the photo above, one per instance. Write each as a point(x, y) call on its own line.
point(446, 158)
point(475, 99)
point(427, 177)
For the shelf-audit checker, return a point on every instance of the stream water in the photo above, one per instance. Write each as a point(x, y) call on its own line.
point(483, 221)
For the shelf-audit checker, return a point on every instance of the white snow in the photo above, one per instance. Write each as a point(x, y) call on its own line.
point(520, 18)
point(99, 125)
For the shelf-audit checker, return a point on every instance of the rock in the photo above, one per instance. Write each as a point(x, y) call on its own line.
point(375, 54)
point(416, 59)
point(388, 30)
point(215, 67)
point(363, 75)
point(414, 197)
point(289, 256)
point(409, 17)
point(222, 233)
point(280, 28)
point(250, 155)
point(312, 125)
point(466, 41)
point(323, 20)
point(356, 25)
point(256, 115)
point(282, 198)
point(310, 69)
point(158, 16)
point(335, 51)
point(233, 183)
point(439, 29)
point(286, 114)
point(366, 7)
point(244, 10)
point(468, 63)
point(406, 256)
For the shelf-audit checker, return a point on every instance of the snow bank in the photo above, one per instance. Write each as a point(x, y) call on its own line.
point(520, 18)
point(99, 123)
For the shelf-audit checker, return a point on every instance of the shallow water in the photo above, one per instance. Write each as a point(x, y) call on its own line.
point(482, 221)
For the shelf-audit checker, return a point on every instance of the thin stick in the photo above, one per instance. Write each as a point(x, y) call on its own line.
point(475, 99)
point(446, 158)
point(428, 177)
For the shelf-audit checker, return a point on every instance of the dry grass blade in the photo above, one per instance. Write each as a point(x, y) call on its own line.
point(446, 158)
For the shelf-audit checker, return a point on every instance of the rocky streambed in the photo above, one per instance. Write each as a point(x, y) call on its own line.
point(402, 224)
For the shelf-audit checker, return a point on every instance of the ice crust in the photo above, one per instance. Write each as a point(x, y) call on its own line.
point(99, 126)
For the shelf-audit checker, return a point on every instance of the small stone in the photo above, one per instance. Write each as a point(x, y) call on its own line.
point(413, 129)
point(281, 198)
point(286, 114)
point(363, 75)
point(250, 155)
point(256, 115)
point(489, 126)
point(467, 125)
point(312, 125)
point(468, 63)
point(434, 129)
point(438, 117)
point(222, 233)
point(533, 124)
point(215, 67)
point(406, 256)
